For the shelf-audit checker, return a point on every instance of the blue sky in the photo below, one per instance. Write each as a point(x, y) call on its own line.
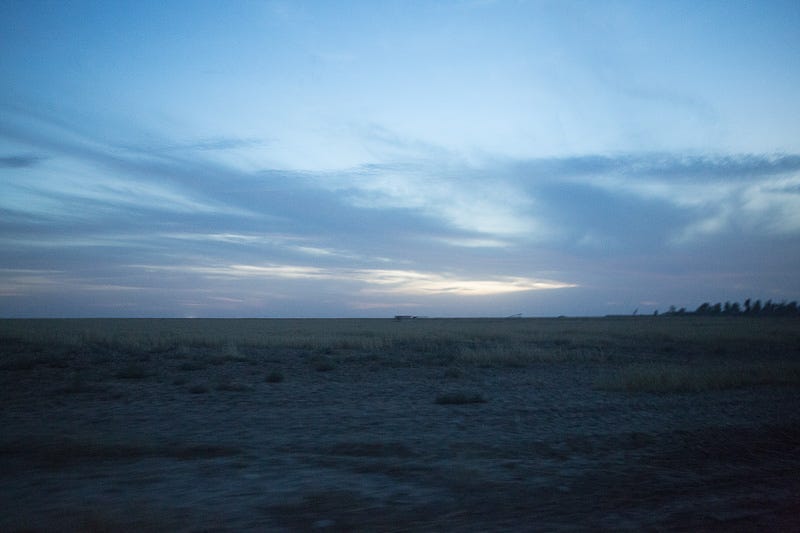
point(452, 158)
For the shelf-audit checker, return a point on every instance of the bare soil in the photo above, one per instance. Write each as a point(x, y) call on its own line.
point(189, 442)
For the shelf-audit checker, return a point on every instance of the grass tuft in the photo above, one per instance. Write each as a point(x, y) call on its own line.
point(221, 359)
point(322, 363)
point(454, 372)
point(188, 366)
point(78, 385)
point(459, 398)
point(58, 452)
point(132, 371)
point(20, 363)
point(233, 386)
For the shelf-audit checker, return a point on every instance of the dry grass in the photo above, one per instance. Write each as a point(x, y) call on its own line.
point(189, 366)
point(233, 386)
point(133, 371)
point(459, 398)
point(648, 353)
point(60, 451)
point(78, 384)
point(520, 355)
point(139, 517)
point(449, 339)
point(670, 377)
point(542, 426)
point(322, 363)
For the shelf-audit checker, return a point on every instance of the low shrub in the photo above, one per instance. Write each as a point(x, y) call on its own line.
point(322, 363)
point(454, 372)
point(274, 377)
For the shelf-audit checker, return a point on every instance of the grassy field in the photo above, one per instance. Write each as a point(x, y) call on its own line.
point(642, 353)
point(664, 423)
point(368, 334)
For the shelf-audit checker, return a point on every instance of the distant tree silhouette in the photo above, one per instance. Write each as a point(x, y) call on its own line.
point(751, 308)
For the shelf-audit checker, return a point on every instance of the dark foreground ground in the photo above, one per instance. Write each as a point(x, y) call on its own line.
point(187, 439)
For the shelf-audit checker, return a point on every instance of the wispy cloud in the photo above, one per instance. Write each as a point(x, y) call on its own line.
point(664, 165)
point(24, 281)
point(462, 197)
point(470, 202)
point(373, 160)
point(773, 205)
point(213, 144)
point(222, 143)
point(471, 242)
point(422, 225)
point(680, 199)
point(89, 169)
point(372, 281)
point(422, 283)
point(19, 161)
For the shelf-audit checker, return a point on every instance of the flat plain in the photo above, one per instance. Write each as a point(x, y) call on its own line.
point(638, 423)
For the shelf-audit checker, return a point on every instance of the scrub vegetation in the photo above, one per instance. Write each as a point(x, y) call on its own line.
point(420, 424)
point(232, 339)
point(671, 377)
point(633, 353)
point(459, 398)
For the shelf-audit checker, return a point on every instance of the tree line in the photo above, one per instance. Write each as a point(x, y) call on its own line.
point(747, 308)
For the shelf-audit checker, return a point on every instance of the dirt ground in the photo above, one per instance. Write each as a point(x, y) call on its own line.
point(184, 442)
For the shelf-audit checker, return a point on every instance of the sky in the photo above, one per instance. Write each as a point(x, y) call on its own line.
point(369, 159)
